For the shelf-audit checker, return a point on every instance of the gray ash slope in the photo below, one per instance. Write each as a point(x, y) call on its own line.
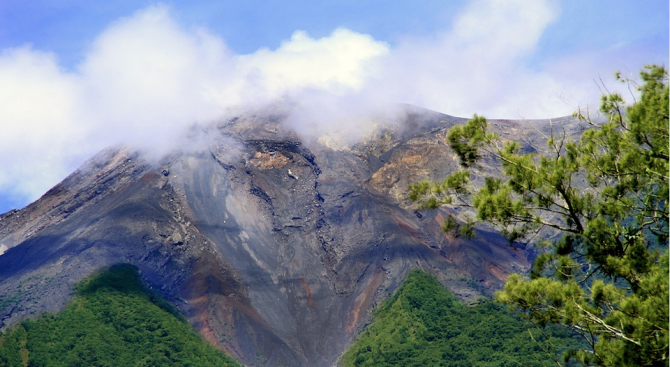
point(275, 249)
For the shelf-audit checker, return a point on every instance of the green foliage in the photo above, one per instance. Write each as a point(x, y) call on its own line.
point(113, 321)
point(468, 139)
point(606, 277)
point(424, 325)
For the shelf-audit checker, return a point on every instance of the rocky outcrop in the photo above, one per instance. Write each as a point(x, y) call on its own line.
point(274, 248)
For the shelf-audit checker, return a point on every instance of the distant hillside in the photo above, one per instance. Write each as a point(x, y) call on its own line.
point(113, 321)
point(425, 325)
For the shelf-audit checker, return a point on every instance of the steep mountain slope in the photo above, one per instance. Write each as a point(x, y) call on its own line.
point(275, 248)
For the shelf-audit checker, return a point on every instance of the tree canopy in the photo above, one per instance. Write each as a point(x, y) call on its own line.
point(425, 325)
point(606, 194)
point(114, 320)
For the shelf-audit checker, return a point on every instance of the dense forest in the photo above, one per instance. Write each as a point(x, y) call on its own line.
point(424, 325)
point(112, 321)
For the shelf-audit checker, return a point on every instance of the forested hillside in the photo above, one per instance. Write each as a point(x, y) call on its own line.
point(425, 325)
point(112, 321)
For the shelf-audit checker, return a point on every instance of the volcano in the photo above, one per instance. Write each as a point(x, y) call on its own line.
point(275, 248)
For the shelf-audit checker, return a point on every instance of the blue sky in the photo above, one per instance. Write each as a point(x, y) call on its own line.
point(67, 27)
point(77, 76)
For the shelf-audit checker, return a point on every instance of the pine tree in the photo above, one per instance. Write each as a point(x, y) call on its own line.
point(606, 276)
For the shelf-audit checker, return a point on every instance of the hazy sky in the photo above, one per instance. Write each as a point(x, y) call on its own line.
point(77, 76)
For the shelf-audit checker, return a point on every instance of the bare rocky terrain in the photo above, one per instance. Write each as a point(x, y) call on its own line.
point(276, 249)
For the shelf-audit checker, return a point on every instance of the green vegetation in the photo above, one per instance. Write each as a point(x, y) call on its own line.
point(112, 321)
point(424, 325)
point(606, 277)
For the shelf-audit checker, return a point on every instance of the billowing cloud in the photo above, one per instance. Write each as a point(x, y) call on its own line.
point(339, 63)
point(146, 78)
point(477, 66)
point(41, 122)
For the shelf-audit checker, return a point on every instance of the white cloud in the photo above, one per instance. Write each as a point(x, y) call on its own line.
point(477, 66)
point(146, 79)
point(322, 78)
point(40, 121)
point(338, 63)
point(502, 28)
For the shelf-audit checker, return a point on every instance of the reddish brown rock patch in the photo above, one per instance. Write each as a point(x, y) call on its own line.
point(265, 161)
point(308, 292)
point(364, 301)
